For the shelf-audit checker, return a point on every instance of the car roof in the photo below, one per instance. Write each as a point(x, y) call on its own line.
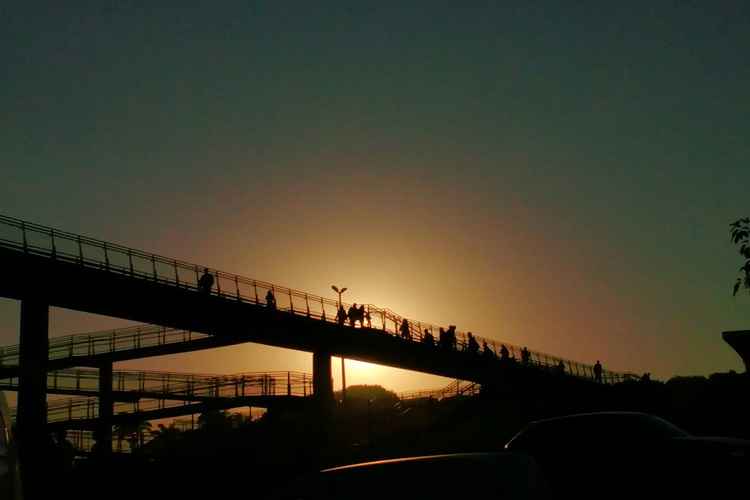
point(422, 458)
point(489, 475)
point(594, 414)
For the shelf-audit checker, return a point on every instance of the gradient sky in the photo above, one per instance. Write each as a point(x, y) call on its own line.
point(557, 176)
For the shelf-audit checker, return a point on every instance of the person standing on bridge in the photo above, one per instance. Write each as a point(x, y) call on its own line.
point(451, 336)
point(472, 344)
point(427, 338)
point(598, 371)
point(504, 353)
point(367, 317)
point(405, 330)
point(270, 300)
point(351, 314)
point(206, 281)
point(486, 351)
point(361, 316)
point(341, 316)
point(525, 356)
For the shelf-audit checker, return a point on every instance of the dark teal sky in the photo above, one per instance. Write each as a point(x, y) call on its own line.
point(553, 174)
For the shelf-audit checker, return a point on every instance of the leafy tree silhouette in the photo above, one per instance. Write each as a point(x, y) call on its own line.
point(219, 420)
point(741, 237)
point(132, 431)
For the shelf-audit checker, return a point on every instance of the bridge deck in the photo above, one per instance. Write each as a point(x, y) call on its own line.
point(80, 273)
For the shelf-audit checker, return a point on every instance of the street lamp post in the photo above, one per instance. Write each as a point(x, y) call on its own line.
point(336, 289)
point(343, 367)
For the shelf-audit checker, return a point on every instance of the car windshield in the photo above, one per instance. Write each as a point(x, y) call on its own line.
point(661, 428)
point(592, 428)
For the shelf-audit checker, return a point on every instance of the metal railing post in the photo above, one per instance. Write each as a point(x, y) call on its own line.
point(106, 257)
point(23, 238)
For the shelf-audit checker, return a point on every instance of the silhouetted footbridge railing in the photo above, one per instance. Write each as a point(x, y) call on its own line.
point(107, 342)
point(455, 388)
point(34, 239)
point(170, 385)
point(160, 390)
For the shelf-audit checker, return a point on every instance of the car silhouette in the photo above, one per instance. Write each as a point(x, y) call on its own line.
point(451, 476)
point(627, 454)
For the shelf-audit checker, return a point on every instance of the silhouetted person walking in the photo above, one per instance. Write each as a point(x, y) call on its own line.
point(486, 351)
point(598, 371)
point(451, 336)
point(341, 316)
point(504, 354)
point(367, 316)
point(561, 367)
point(270, 300)
point(65, 450)
point(472, 344)
point(405, 330)
point(351, 314)
point(427, 338)
point(525, 356)
point(361, 316)
point(206, 281)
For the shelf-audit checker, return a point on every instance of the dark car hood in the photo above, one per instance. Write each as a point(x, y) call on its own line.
point(738, 445)
point(717, 440)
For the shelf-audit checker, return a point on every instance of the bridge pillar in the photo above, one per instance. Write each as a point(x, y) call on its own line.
point(106, 410)
point(322, 378)
point(31, 415)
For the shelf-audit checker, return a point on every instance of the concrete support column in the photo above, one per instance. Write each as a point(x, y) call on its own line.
point(31, 415)
point(322, 378)
point(106, 410)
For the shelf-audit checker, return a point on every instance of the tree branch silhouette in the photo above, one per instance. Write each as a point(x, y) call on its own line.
point(740, 230)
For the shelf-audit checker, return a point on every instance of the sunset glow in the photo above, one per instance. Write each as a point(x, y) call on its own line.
point(456, 174)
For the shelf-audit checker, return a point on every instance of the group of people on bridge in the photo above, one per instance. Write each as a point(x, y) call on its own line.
point(353, 315)
point(446, 337)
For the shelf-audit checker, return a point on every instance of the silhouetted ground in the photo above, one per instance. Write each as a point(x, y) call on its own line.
point(258, 456)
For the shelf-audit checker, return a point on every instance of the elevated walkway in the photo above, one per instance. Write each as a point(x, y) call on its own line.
point(82, 273)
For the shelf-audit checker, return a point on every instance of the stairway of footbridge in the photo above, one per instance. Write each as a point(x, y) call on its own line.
point(49, 267)
point(83, 438)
